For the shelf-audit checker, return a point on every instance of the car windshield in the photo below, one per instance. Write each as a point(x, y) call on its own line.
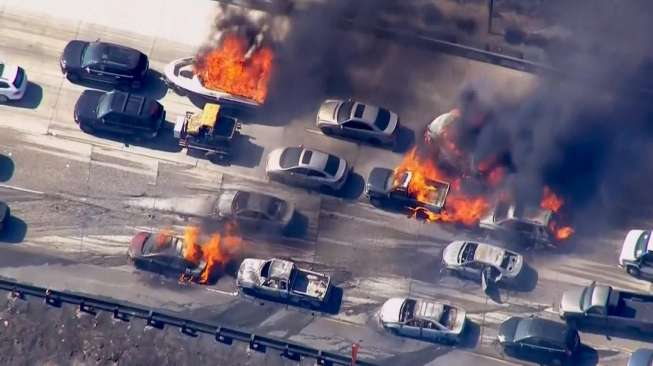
point(20, 77)
point(344, 112)
point(290, 157)
point(467, 252)
point(407, 310)
point(104, 106)
point(332, 165)
point(240, 201)
point(92, 54)
point(642, 244)
point(586, 298)
point(157, 243)
point(276, 208)
point(382, 119)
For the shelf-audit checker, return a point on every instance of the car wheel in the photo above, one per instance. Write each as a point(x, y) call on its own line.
point(3, 99)
point(633, 271)
point(327, 131)
point(72, 77)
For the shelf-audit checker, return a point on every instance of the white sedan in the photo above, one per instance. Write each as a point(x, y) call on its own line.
point(423, 319)
point(307, 167)
point(472, 259)
point(13, 82)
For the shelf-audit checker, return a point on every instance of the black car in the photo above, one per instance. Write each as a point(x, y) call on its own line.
point(641, 357)
point(119, 112)
point(164, 254)
point(540, 339)
point(104, 62)
point(4, 215)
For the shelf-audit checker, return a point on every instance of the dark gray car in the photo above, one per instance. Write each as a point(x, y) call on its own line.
point(255, 210)
point(537, 338)
point(4, 215)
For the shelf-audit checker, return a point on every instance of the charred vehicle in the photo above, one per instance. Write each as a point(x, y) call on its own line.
point(163, 253)
point(282, 280)
point(423, 319)
point(208, 134)
point(384, 187)
point(180, 76)
point(528, 225)
point(254, 210)
point(607, 308)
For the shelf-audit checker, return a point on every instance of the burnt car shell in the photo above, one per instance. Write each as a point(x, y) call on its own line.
point(136, 245)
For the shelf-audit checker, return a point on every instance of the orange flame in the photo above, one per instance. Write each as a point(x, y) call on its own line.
point(226, 68)
point(215, 251)
point(458, 207)
point(550, 201)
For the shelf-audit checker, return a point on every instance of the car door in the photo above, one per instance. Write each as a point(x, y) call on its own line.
point(97, 72)
point(431, 331)
point(298, 175)
point(541, 348)
point(316, 178)
point(472, 270)
point(646, 266)
point(410, 328)
point(357, 129)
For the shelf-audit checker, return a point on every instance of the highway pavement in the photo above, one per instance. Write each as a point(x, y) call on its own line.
point(77, 200)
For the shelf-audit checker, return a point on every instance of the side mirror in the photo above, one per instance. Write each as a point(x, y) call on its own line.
point(87, 69)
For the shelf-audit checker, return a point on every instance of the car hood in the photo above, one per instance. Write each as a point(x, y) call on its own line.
point(327, 111)
point(628, 248)
point(389, 312)
point(274, 157)
point(440, 123)
point(249, 271)
point(570, 302)
point(72, 54)
point(225, 203)
point(86, 106)
point(450, 253)
point(507, 329)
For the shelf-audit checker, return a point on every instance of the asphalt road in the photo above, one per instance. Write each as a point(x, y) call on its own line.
point(77, 199)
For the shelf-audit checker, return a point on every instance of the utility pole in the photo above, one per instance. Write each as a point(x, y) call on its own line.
point(490, 16)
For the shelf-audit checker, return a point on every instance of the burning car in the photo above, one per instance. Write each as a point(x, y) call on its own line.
point(384, 186)
point(425, 319)
point(282, 279)
point(163, 253)
point(474, 260)
point(181, 77)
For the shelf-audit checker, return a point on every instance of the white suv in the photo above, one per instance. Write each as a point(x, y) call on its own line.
point(13, 82)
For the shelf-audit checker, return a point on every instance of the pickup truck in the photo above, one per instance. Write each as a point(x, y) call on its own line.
point(636, 255)
point(607, 308)
point(282, 280)
point(384, 186)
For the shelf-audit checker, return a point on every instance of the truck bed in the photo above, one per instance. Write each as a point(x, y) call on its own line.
point(310, 284)
point(435, 196)
point(632, 306)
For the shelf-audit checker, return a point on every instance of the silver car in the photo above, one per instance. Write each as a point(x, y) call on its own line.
point(471, 259)
point(255, 210)
point(307, 167)
point(423, 319)
point(359, 121)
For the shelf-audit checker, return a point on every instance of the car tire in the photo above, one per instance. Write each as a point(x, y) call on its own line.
point(72, 77)
point(327, 131)
point(633, 271)
point(3, 99)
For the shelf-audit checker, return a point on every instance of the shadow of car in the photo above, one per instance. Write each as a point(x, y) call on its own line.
point(32, 98)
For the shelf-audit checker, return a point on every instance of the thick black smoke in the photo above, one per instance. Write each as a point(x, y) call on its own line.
point(589, 134)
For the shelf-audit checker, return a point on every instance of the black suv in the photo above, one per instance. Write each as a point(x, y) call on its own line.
point(119, 112)
point(104, 62)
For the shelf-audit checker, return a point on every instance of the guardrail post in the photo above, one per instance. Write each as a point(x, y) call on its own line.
point(255, 346)
point(294, 356)
point(222, 338)
point(52, 299)
point(153, 322)
point(188, 330)
point(16, 293)
point(117, 314)
point(86, 308)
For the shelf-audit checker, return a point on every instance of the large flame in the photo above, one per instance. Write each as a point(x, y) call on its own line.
point(550, 201)
point(458, 207)
point(226, 68)
point(215, 251)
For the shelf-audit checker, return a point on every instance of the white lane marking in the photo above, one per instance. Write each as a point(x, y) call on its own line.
point(102, 244)
point(234, 293)
point(16, 188)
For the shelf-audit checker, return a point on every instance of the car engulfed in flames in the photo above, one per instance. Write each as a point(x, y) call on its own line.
point(213, 251)
point(236, 67)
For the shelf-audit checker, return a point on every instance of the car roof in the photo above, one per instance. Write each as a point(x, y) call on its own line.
point(254, 201)
point(115, 54)
point(526, 214)
point(428, 310)
point(131, 104)
point(489, 254)
point(280, 269)
point(549, 330)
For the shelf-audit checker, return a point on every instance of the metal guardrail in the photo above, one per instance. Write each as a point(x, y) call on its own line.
point(92, 305)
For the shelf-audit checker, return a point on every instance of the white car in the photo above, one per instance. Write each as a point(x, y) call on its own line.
point(358, 120)
point(423, 319)
point(637, 254)
point(13, 82)
point(179, 76)
point(307, 167)
point(440, 124)
point(470, 259)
